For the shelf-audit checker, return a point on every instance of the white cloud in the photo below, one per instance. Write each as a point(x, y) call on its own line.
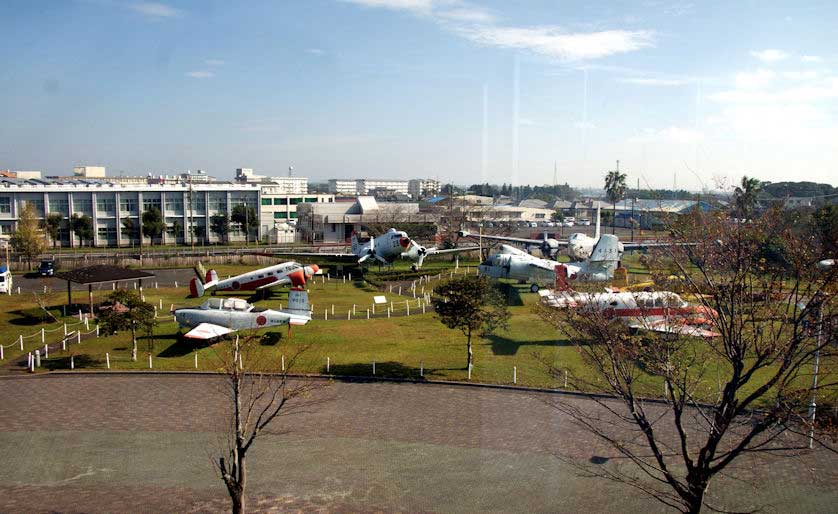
point(203, 74)
point(315, 51)
point(584, 125)
point(754, 79)
point(646, 81)
point(214, 62)
point(155, 9)
point(826, 89)
point(481, 26)
point(672, 134)
point(405, 5)
point(770, 55)
point(800, 75)
point(555, 43)
point(811, 58)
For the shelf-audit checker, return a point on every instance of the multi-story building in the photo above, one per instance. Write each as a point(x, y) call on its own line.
point(108, 204)
point(284, 185)
point(367, 186)
point(423, 188)
point(89, 171)
point(343, 187)
point(278, 212)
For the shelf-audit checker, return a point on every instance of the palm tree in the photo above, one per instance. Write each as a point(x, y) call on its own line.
point(745, 196)
point(615, 190)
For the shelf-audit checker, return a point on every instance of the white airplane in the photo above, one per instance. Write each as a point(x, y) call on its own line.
point(579, 245)
point(219, 316)
point(659, 311)
point(516, 264)
point(385, 249)
point(290, 272)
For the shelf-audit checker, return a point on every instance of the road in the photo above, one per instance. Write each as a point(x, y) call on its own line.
point(31, 282)
point(145, 443)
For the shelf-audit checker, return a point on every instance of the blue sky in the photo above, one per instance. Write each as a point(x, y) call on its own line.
point(692, 93)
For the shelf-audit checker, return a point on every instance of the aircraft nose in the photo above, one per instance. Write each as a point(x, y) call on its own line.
point(404, 241)
point(314, 268)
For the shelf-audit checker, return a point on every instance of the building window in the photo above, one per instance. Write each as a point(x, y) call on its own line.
point(293, 214)
point(218, 202)
point(105, 205)
point(59, 205)
point(5, 205)
point(174, 204)
point(311, 200)
point(128, 204)
point(266, 201)
point(106, 233)
point(280, 215)
point(295, 201)
point(149, 203)
point(83, 205)
point(280, 201)
point(199, 203)
point(38, 205)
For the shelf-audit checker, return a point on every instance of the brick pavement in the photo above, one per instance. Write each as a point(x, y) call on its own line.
point(376, 446)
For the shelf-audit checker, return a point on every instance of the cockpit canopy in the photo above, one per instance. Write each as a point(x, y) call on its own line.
point(226, 304)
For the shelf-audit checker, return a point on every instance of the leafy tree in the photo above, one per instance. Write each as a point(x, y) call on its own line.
point(557, 216)
point(53, 226)
point(746, 392)
point(129, 228)
point(745, 196)
point(153, 225)
point(825, 223)
point(615, 190)
point(245, 217)
point(471, 304)
point(220, 226)
point(82, 226)
point(135, 315)
point(28, 239)
point(177, 229)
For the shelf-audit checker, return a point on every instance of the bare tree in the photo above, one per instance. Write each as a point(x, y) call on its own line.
point(259, 392)
point(748, 391)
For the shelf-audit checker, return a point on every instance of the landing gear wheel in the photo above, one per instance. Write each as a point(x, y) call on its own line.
point(534, 288)
point(414, 268)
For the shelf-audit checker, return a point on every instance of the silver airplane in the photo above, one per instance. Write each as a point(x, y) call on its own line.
point(385, 249)
point(219, 316)
point(515, 264)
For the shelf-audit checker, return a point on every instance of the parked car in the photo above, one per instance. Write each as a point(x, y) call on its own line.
point(5, 280)
point(583, 222)
point(47, 268)
point(567, 223)
point(533, 224)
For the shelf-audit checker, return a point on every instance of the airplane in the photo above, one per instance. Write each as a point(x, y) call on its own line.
point(512, 263)
point(658, 311)
point(385, 249)
point(579, 245)
point(289, 272)
point(219, 316)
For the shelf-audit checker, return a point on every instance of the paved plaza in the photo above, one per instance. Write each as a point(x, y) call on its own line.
point(144, 443)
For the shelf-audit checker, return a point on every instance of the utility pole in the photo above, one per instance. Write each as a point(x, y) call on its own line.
point(191, 215)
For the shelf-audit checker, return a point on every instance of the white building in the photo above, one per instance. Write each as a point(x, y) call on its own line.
point(286, 185)
point(342, 187)
point(89, 171)
point(335, 222)
point(423, 188)
point(367, 186)
point(278, 212)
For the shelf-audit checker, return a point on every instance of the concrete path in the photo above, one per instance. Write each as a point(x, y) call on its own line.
point(145, 443)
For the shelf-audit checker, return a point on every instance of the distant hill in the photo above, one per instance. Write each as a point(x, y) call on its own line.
point(805, 189)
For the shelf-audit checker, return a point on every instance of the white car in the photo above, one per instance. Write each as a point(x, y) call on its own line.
point(567, 223)
point(5, 280)
point(533, 224)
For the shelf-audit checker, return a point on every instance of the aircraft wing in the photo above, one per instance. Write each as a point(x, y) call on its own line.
point(280, 282)
point(206, 331)
point(347, 256)
point(675, 328)
point(652, 244)
point(519, 240)
point(439, 251)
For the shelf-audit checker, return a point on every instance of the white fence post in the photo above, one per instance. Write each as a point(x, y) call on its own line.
point(373, 367)
point(78, 336)
point(388, 313)
point(368, 314)
point(514, 374)
point(421, 369)
point(353, 309)
point(161, 301)
point(72, 363)
point(108, 360)
point(20, 338)
point(349, 314)
point(43, 335)
point(326, 315)
point(97, 330)
point(407, 307)
point(283, 363)
point(469, 371)
point(65, 330)
point(46, 351)
point(149, 361)
point(176, 282)
point(37, 358)
point(196, 360)
point(2, 357)
point(565, 379)
point(64, 344)
point(333, 309)
point(328, 364)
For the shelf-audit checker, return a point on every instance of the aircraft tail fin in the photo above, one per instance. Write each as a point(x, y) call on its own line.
point(596, 232)
point(355, 243)
point(298, 307)
point(606, 254)
point(197, 287)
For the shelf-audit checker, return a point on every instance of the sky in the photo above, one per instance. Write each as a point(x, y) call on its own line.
point(684, 94)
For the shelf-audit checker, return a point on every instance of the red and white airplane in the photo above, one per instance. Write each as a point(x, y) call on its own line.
point(288, 273)
point(658, 311)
